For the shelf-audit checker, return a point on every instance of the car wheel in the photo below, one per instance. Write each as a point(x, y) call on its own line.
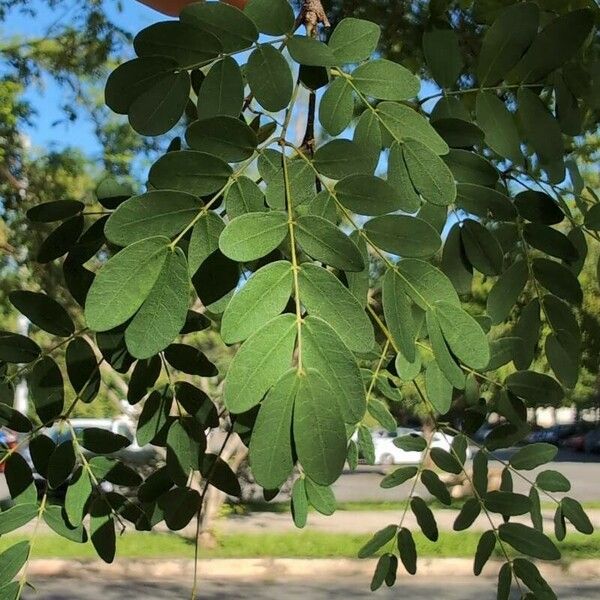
point(387, 459)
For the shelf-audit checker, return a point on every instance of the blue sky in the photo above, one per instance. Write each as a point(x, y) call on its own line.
point(49, 128)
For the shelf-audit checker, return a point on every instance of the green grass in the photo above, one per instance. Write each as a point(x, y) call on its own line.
point(300, 544)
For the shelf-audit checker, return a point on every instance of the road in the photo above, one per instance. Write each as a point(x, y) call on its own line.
point(363, 484)
point(415, 589)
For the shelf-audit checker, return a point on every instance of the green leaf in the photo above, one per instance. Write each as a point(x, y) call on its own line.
point(123, 284)
point(341, 158)
point(204, 240)
point(535, 510)
point(153, 418)
point(485, 547)
point(443, 55)
point(220, 475)
point(381, 571)
point(379, 540)
point(507, 503)
point(533, 456)
point(540, 127)
point(318, 429)
point(270, 78)
point(506, 291)
point(506, 41)
point(151, 91)
point(468, 167)
point(538, 208)
point(454, 262)
point(102, 530)
point(428, 173)
point(398, 477)
point(271, 444)
point(164, 311)
point(425, 518)
point(228, 138)
point(82, 369)
point(407, 550)
point(13, 419)
point(61, 463)
point(243, 196)
point(485, 202)
point(367, 134)
point(190, 360)
point(310, 52)
point(76, 497)
point(17, 516)
point(552, 481)
point(15, 348)
point(458, 133)
point(324, 351)
point(43, 311)
point(573, 511)
point(504, 575)
point(403, 123)
point(324, 296)
point(558, 279)
point(439, 389)
point(592, 217)
point(464, 335)
point(397, 311)
point(61, 240)
point(222, 91)
point(320, 497)
point(556, 44)
point(435, 487)
point(425, 284)
point(102, 441)
point(262, 297)
point(368, 195)
point(59, 210)
point(300, 179)
point(12, 561)
point(189, 171)
point(481, 247)
point(537, 389)
point(56, 518)
point(299, 503)
point(336, 108)
point(185, 445)
point(273, 17)
point(446, 461)
point(354, 40)
point(528, 573)
point(470, 510)
point(385, 80)
point(234, 29)
point(324, 242)
point(529, 541)
point(47, 389)
point(19, 478)
point(178, 41)
point(263, 358)
point(411, 443)
point(365, 444)
point(197, 404)
point(379, 411)
point(445, 361)
point(253, 235)
point(498, 124)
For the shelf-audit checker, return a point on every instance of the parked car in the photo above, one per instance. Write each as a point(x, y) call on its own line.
point(552, 435)
point(591, 441)
point(386, 453)
point(133, 454)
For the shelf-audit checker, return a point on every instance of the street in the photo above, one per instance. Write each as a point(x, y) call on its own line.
point(416, 589)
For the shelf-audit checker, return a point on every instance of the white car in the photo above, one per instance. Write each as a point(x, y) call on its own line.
point(386, 453)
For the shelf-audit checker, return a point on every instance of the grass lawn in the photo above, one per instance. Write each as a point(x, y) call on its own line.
point(284, 507)
point(301, 544)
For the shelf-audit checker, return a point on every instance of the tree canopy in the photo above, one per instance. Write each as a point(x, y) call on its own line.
point(325, 205)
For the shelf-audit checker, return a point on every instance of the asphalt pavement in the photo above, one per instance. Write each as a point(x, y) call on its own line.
point(413, 588)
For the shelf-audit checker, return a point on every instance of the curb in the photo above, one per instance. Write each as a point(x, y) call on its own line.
point(272, 569)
